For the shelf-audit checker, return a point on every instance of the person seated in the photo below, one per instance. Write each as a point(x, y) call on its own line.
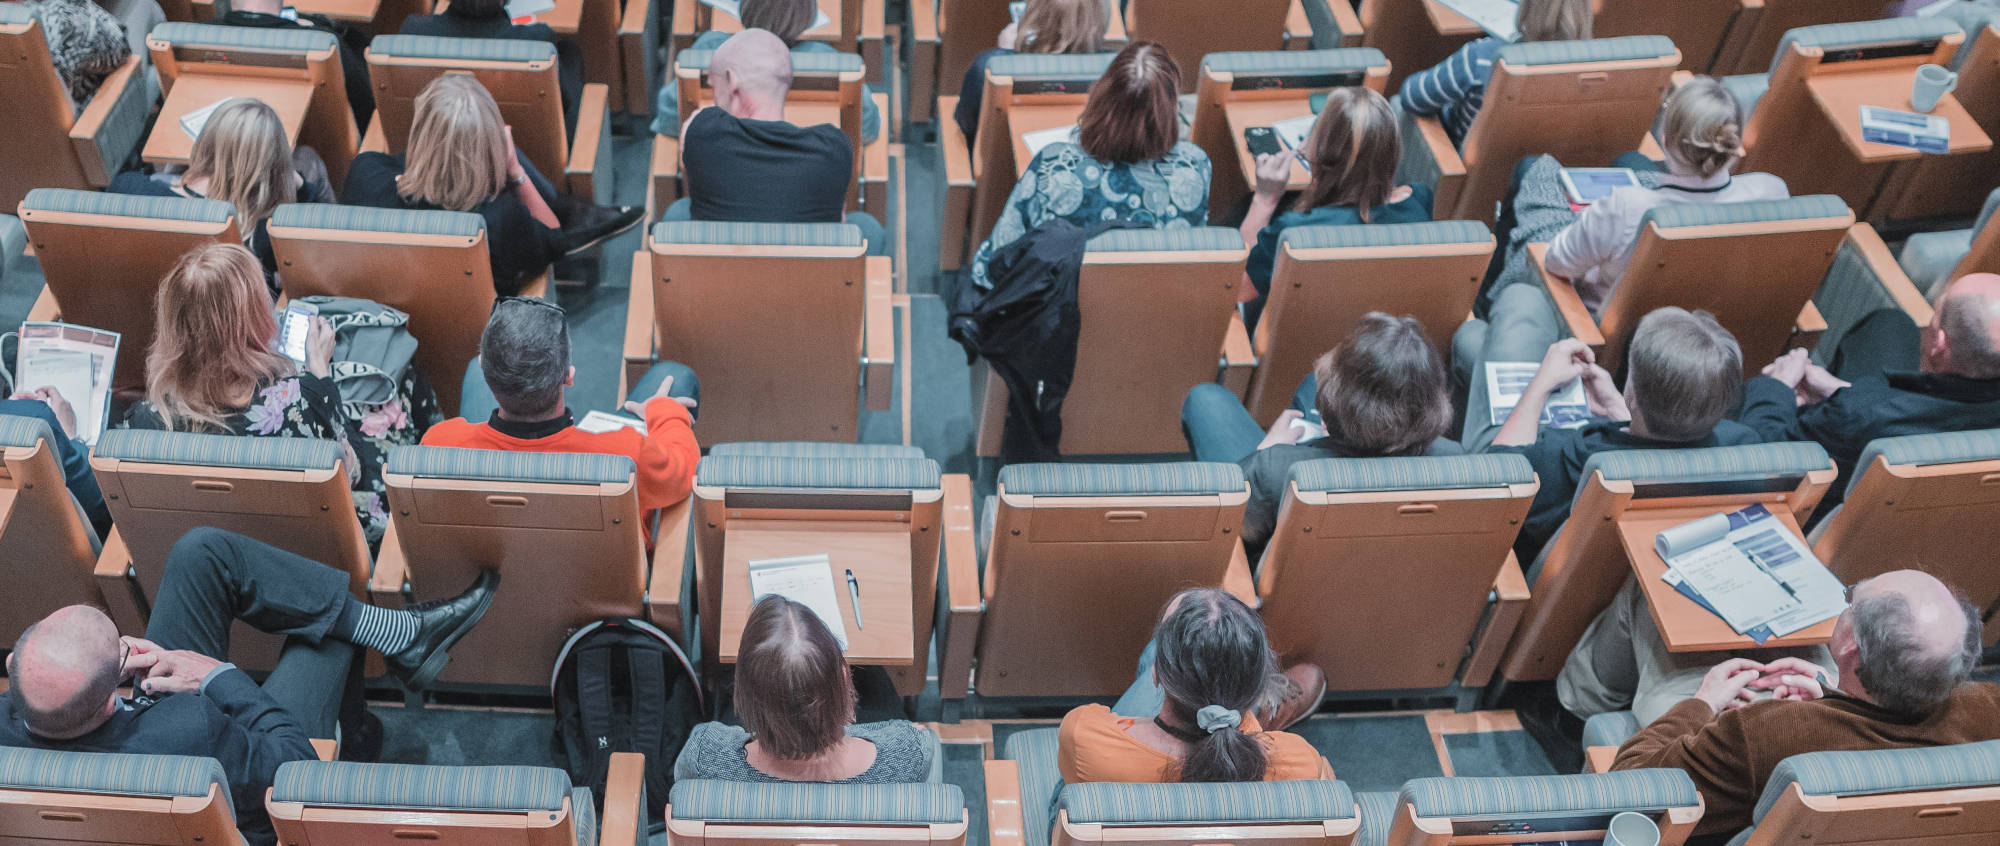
point(242, 158)
point(1455, 88)
point(1382, 392)
point(517, 386)
point(1126, 164)
point(1683, 373)
point(1902, 656)
point(795, 697)
point(274, 14)
point(1047, 27)
point(64, 672)
point(1702, 135)
point(1352, 155)
point(743, 161)
point(1889, 377)
point(786, 19)
point(47, 404)
point(1201, 681)
point(214, 368)
point(86, 44)
point(461, 157)
point(489, 19)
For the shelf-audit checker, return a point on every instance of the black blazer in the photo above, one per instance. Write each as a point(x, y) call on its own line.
point(1894, 403)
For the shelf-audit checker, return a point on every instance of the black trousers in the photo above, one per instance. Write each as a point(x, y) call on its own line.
point(215, 578)
point(1884, 339)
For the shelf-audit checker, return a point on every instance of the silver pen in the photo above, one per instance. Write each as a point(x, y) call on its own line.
point(854, 598)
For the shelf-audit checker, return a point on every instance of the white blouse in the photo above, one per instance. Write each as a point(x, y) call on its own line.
point(1593, 251)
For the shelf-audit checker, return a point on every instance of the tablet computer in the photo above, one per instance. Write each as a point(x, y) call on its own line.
point(1586, 185)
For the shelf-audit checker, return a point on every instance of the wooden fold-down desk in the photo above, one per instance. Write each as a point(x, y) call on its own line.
point(1244, 114)
point(170, 145)
point(1684, 625)
point(877, 552)
point(1840, 97)
point(1023, 119)
point(351, 11)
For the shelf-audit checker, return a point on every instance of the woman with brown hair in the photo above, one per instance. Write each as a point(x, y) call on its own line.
point(1455, 88)
point(214, 368)
point(796, 700)
point(1352, 155)
point(1046, 26)
point(1127, 162)
point(787, 19)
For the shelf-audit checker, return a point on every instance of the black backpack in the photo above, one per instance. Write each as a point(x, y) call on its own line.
point(622, 685)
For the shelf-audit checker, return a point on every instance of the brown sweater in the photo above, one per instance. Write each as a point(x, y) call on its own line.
point(1730, 757)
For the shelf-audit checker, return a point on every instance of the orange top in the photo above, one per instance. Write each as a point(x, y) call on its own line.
point(1093, 746)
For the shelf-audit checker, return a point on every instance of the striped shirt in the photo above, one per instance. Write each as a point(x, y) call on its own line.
point(1454, 88)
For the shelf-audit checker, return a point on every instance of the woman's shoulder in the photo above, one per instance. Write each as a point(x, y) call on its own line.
point(1289, 757)
point(1187, 152)
point(1763, 186)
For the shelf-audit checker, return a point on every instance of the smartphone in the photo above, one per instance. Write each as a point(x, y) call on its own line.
point(1262, 139)
point(298, 324)
point(1586, 185)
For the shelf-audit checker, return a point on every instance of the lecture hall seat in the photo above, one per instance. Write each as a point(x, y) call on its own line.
point(1934, 259)
point(1528, 809)
point(45, 539)
point(340, 802)
point(1266, 86)
point(1932, 187)
point(229, 57)
point(49, 797)
point(1247, 25)
point(729, 813)
point(1024, 92)
point(48, 144)
point(1759, 28)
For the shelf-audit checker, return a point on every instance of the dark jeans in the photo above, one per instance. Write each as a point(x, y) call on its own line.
point(1882, 340)
point(1219, 428)
point(476, 402)
point(214, 578)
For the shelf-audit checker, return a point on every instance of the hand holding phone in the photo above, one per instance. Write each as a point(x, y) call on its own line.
point(292, 335)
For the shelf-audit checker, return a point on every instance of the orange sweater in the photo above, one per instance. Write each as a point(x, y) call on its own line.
point(666, 455)
point(1094, 746)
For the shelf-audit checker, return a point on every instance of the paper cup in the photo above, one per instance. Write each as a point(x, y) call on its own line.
point(1932, 82)
point(1632, 829)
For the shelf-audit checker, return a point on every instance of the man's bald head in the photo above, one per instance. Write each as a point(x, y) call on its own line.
point(64, 671)
point(1965, 336)
point(1908, 641)
point(751, 74)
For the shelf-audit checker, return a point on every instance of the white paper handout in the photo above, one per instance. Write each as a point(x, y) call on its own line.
point(733, 8)
point(597, 422)
point(1293, 131)
point(1494, 16)
point(1507, 380)
point(77, 362)
point(804, 579)
point(518, 9)
point(1040, 138)
point(1752, 570)
point(192, 122)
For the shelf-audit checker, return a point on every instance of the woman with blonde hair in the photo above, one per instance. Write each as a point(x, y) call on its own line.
point(1046, 26)
point(214, 368)
point(787, 19)
point(461, 157)
point(1455, 88)
point(242, 158)
point(1352, 155)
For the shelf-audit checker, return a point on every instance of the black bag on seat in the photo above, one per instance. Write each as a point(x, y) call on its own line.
point(622, 685)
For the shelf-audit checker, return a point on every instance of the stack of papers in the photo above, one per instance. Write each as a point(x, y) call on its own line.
point(804, 579)
point(1293, 131)
point(192, 122)
point(1507, 380)
point(524, 11)
point(597, 422)
point(1495, 16)
point(1040, 138)
point(1752, 571)
point(1929, 133)
point(74, 360)
point(733, 8)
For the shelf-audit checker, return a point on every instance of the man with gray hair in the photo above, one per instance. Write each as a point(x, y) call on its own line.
point(1902, 653)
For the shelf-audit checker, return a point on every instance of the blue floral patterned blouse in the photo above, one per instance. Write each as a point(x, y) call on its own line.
point(1170, 192)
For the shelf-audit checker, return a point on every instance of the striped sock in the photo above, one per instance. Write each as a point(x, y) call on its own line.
point(381, 629)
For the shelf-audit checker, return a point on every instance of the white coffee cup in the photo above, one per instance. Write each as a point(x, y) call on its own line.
point(1933, 81)
point(1632, 829)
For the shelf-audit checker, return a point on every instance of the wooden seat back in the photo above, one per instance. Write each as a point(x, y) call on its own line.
point(1934, 186)
point(826, 88)
point(1756, 32)
point(1414, 34)
point(1697, 27)
point(1024, 93)
point(1247, 25)
point(246, 53)
point(38, 149)
point(1241, 90)
point(50, 798)
point(521, 76)
point(47, 547)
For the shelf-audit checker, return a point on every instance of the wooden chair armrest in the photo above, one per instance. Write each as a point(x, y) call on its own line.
point(1004, 825)
point(1567, 303)
point(1349, 23)
point(392, 571)
point(1510, 601)
point(952, 143)
point(45, 308)
point(122, 600)
point(924, 22)
point(1868, 244)
point(587, 173)
point(1680, 78)
point(624, 819)
point(99, 166)
point(633, 50)
point(376, 139)
point(1236, 577)
point(665, 179)
point(639, 312)
point(879, 344)
point(1808, 327)
point(963, 603)
point(1597, 759)
point(325, 749)
point(926, 49)
point(669, 573)
point(1238, 359)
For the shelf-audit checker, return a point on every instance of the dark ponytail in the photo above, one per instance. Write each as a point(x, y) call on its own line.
point(1212, 652)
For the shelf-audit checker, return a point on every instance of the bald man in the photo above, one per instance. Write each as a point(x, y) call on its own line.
point(1902, 653)
point(744, 162)
point(1888, 377)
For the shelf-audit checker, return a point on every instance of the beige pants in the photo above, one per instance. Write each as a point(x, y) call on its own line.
point(1621, 663)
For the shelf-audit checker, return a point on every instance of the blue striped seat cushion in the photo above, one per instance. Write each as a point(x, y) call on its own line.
point(763, 471)
point(1839, 36)
point(1034, 752)
point(1710, 464)
point(809, 63)
point(816, 449)
point(368, 219)
point(1160, 240)
point(70, 201)
point(1178, 478)
point(1414, 473)
point(1936, 448)
point(1050, 65)
point(1378, 813)
point(888, 804)
point(1883, 771)
point(1295, 62)
point(150, 446)
point(1611, 728)
point(1386, 235)
point(462, 49)
point(354, 785)
point(1809, 207)
point(583, 811)
point(279, 40)
point(21, 431)
point(1625, 49)
point(707, 232)
point(1111, 803)
point(104, 772)
point(1525, 796)
point(491, 465)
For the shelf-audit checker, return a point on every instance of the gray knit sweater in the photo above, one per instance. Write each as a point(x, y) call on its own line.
point(716, 751)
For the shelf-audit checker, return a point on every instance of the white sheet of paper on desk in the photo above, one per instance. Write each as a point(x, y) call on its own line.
point(1040, 138)
point(1494, 16)
point(1767, 542)
point(804, 579)
point(735, 10)
point(598, 422)
point(1293, 131)
point(1738, 591)
point(192, 122)
point(1507, 380)
point(518, 9)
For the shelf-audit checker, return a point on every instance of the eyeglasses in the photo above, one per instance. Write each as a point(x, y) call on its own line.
point(533, 301)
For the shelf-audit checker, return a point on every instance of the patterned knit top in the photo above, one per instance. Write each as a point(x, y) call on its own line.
point(717, 751)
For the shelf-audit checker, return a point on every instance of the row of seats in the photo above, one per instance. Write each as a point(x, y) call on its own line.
point(1942, 794)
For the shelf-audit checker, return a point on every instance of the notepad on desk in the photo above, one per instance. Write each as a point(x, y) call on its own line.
point(804, 579)
point(1751, 570)
point(1497, 17)
point(1040, 138)
point(193, 122)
